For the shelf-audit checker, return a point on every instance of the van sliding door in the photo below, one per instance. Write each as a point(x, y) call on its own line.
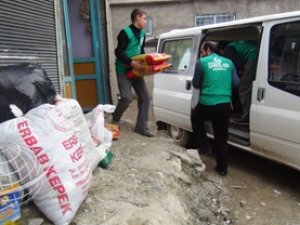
point(277, 97)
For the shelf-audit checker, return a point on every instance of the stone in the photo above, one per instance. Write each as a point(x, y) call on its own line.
point(200, 169)
point(176, 166)
point(263, 204)
point(277, 192)
point(88, 200)
point(214, 200)
point(223, 210)
point(183, 157)
point(161, 175)
point(237, 187)
point(36, 221)
point(243, 203)
point(185, 178)
point(227, 222)
point(248, 217)
point(194, 154)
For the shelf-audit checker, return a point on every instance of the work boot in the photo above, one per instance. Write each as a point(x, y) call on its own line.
point(221, 167)
point(144, 132)
point(222, 172)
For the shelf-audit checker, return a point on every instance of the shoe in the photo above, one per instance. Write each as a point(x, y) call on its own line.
point(242, 121)
point(221, 172)
point(144, 132)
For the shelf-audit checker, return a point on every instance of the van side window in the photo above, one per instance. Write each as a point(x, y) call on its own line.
point(181, 51)
point(284, 57)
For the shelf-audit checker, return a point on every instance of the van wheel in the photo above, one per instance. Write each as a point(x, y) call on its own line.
point(180, 136)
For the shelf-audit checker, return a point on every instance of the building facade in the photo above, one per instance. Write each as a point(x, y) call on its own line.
point(166, 15)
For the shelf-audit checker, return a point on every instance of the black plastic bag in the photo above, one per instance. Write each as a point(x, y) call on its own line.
point(26, 86)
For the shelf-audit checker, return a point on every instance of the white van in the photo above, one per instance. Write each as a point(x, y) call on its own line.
point(274, 127)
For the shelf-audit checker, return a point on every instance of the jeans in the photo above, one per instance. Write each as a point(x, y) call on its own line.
point(125, 88)
point(219, 117)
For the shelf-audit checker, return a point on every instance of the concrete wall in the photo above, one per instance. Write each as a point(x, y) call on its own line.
point(181, 14)
point(168, 15)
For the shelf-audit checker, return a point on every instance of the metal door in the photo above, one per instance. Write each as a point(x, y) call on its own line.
point(84, 52)
point(28, 35)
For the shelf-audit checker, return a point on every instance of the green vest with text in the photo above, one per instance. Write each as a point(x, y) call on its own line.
point(216, 79)
point(134, 48)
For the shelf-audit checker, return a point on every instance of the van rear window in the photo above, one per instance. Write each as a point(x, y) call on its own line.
point(284, 57)
point(181, 51)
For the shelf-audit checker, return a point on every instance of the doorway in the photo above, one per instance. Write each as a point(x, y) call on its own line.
point(84, 56)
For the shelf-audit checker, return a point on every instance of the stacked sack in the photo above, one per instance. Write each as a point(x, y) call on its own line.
point(48, 142)
point(90, 129)
point(151, 63)
point(72, 111)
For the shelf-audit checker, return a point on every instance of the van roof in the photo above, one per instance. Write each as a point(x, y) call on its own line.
point(253, 20)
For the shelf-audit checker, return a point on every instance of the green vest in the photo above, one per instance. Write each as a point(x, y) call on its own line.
point(246, 50)
point(216, 79)
point(134, 48)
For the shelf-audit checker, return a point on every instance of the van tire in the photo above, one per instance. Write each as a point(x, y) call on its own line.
point(181, 137)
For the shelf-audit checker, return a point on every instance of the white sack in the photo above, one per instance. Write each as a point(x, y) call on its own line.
point(67, 174)
point(71, 109)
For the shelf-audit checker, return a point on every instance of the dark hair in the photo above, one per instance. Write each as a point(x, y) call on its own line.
point(222, 45)
point(209, 45)
point(135, 13)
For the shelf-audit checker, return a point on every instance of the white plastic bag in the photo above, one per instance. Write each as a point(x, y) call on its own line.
point(95, 120)
point(71, 109)
point(67, 175)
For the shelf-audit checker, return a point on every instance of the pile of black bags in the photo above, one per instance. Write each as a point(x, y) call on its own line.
point(25, 86)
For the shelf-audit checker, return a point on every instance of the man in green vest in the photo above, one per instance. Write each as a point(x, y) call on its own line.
point(245, 54)
point(214, 76)
point(131, 41)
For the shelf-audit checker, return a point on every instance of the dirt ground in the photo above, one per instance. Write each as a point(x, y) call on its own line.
point(151, 181)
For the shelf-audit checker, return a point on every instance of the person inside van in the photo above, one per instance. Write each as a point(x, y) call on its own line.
point(243, 54)
point(214, 76)
point(131, 42)
point(221, 47)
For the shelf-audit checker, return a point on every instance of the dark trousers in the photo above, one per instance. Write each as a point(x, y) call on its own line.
point(125, 88)
point(219, 117)
point(245, 87)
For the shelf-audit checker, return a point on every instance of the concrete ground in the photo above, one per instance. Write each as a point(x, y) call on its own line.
point(256, 191)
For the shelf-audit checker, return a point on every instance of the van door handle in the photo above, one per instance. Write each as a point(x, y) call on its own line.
point(260, 94)
point(188, 85)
